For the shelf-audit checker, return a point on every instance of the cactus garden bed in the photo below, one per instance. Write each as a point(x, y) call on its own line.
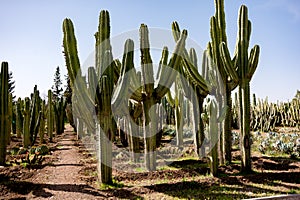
point(70, 173)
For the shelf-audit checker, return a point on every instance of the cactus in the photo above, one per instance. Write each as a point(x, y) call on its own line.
point(50, 116)
point(241, 69)
point(147, 95)
point(177, 104)
point(31, 117)
point(26, 123)
point(102, 97)
point(201, 89)
point(59, 111)
point(3, 112)
point(19, 117)
point(10, 115)
point(35, 115)
point(218, 35)
point(212, 129)
point(42, 123)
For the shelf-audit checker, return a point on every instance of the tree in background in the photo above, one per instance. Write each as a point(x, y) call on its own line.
point(57, 86)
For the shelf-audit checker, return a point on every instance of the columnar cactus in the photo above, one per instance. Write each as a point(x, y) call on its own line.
point(218, 35)
point(42, 123)
point(59, 111)
point(19, 117)
point(26, 123)
point(240, 70)
point(10, 116)
point(35, 115)
point(31, 118)
point(102, 97)
point(201, 89)
point(212, 111)
point(3, 111)
point(148, 96)
point(50, 116)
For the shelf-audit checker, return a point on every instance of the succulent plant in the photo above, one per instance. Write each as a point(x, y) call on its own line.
point(3, 111)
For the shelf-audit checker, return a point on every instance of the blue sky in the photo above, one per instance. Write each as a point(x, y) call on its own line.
point(31, 35)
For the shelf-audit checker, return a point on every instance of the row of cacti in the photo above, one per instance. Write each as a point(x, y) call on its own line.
point(266, 116)
point(32, 116)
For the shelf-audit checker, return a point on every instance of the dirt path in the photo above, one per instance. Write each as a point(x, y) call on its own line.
point(62, 180)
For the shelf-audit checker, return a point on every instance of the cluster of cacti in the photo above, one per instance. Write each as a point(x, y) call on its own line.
point(218, 37)
point(266, 116)
point(238, 70)
point(137, 99)
point(32, 118)
point(4, 112)
point(147, 95)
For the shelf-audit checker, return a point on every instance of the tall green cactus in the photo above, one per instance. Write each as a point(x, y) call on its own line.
point(35, 115)
point(19, 117)
point(3, 111)
point(31, 118)
point(199, 85)
point(59, 111)
point(42, 123)
point(102, 97)
point(50, 116)
point(148, 96)
point(26, 123)
point(241, 69)
point(10, 116)
point(218, 35)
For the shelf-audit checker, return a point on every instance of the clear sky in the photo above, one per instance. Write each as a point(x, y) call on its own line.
point(31, 35)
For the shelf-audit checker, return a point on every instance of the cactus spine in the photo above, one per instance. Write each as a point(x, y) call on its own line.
point(3, 112)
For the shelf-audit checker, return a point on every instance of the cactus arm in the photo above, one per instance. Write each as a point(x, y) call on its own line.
point(117, 70)
point(162, 70)
point(194, 77)
point(92, 83)
point(253, 61)
point(146, 61)
point(119, 100)
point(70, 50)
point(174, 63)
point(190, 71)
point(228, 64)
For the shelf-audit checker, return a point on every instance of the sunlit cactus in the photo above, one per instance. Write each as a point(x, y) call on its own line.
point(50, 116)
point(101, 98)
point(240, 69)
point(4, 112)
